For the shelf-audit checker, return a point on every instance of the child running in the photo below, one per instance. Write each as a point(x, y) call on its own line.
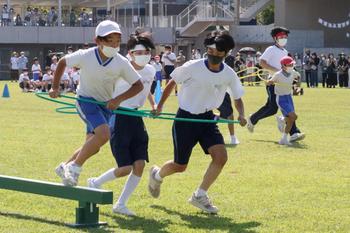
point(129, 140)
point(100, 68)
point(284, 80)
point(204, 84)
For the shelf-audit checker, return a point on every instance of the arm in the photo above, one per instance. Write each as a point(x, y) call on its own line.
point(240, 109)
point(264, 65)
point(151, 101)
point(132, 91)
point(61, 66)
point(270, 82)
point(167, 91)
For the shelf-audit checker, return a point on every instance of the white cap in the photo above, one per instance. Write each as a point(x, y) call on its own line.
point(107, 27)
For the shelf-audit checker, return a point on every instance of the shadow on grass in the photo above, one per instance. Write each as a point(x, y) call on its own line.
point(296, 145)
point(229, 145)
point(137, 223)
point(52, 222)
point(211, 222)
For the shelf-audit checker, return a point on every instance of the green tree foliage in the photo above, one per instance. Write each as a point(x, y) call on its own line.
point(267, 16)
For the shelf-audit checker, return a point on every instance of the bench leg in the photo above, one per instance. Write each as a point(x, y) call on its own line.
point(87, 215)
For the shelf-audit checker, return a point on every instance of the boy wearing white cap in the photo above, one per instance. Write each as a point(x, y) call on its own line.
point(100, 68)
point(129, 140)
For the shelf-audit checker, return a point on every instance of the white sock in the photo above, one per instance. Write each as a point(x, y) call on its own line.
point(284, 136)
point(129, 188)
point(105, 177)
point(200, 192)
point(157, 176)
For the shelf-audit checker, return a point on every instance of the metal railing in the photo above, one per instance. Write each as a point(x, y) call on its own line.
point(203, 9)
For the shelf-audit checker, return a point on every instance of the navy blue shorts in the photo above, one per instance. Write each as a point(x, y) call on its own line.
point(129, 140)
point(92, 114)
point(159, 76)
point(285, 103)
point(168, 70)
point(225, 108)
point(187, 134)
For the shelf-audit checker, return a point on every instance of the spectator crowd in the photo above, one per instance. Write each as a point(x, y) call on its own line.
point(328, 70)
point(35, 16)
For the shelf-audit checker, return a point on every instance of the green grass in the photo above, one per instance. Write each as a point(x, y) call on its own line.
point(264, 187)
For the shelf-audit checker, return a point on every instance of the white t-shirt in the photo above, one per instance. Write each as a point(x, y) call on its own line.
point(14, 63)
point(75, 77)
point(273, 55)
point(147, 77)
point(47, 77)
point(23, 78)
point(283, 83)
point(97, 78)
point(53, 67)
point(203, 90)
point(65, 77)
point(36, 69)
point(167, 57)
point(157, 66)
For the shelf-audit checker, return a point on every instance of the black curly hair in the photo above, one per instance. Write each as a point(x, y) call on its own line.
point(222, 39)
point(142, 39)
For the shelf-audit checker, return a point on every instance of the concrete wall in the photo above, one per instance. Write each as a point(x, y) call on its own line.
point(70, 35)
point(305, 15)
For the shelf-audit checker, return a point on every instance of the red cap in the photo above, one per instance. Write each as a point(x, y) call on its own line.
point(287, 61)
point(281, 34)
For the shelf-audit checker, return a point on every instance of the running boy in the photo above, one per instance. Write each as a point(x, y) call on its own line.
point(284, 80)
point(129, 140)
point(100, 68)
point(204, 84)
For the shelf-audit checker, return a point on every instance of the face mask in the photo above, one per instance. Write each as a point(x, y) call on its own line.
point(289, 69)
point(142, 60)
point(215, 60)
point(70, 51)
point(25, 73)
point(282, 42)
point(110, 51)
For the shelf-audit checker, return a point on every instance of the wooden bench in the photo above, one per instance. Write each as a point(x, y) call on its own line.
point(87, 214)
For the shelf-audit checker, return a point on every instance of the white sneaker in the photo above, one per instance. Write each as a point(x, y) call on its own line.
point(297, 137)
point(234, 140)
point(122, 209)
point(203, 203)
point(284, 141)
point(60, 170)
point(71, 173)
point(250, 125)
point(281, 124)
point(91, 183)
point(153, 183)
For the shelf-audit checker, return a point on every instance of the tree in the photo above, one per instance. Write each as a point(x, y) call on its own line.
point(267, 16)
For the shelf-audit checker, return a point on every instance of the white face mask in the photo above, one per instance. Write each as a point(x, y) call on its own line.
point(282, 42)
point(142, 60)
point(289, 69)
point(110, 51)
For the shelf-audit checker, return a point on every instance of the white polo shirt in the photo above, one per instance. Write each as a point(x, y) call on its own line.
point(97, 78)
point(47, 77)
point(23, 78)
point(273, 55)
point(286, 82)
point(166, 59)
point(203, 90)
point(147, 77)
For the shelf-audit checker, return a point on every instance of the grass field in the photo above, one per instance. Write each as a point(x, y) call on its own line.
point(264, 187)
